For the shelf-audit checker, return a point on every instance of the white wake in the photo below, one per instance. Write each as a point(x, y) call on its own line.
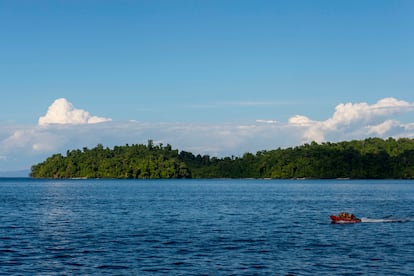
point(385, 220)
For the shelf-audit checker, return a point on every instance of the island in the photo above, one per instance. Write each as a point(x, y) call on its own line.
point(372, 158)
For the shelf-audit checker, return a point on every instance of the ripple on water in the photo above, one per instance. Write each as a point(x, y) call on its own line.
point(208, 227)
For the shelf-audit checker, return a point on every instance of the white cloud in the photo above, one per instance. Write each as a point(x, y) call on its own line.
point(27, 145)
point(383, 127)
point(300, 120)
point(63, 112)
point(350, 121)
point(266, 121)
point(349, 113)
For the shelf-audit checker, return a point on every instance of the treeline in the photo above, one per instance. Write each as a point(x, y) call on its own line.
point(372, 158)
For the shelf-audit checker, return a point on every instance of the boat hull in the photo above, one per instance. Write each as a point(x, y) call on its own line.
point(336, 219)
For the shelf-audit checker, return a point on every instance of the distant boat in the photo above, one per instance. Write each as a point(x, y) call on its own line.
point(344, 218)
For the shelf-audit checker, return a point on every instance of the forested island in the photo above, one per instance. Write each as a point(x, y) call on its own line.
point(372, 158)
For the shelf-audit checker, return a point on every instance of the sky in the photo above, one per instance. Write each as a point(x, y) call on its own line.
point(211, 77)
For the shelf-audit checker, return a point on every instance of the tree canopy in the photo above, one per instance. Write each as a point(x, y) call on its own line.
point(372, 158)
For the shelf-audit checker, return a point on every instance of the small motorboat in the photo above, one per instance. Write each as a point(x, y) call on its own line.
point(344, 218)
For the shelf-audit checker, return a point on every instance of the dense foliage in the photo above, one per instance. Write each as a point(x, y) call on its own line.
point(369, 158)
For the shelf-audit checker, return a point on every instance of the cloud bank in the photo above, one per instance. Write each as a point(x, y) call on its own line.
point(350, 121)
point(65, 127)
point(63, 112)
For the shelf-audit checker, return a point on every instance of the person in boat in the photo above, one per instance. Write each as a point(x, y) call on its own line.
point(346, 215)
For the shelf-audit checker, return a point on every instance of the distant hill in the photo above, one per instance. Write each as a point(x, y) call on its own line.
point(19, 173)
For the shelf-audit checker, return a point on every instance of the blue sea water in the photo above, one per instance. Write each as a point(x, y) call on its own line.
point(205, 227)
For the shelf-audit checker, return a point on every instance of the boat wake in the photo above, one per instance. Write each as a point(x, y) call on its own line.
point(371, 220)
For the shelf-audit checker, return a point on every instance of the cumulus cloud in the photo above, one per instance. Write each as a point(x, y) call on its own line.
point(383, 127)
point(351, 119)
point(63, 112)
point(300, 120)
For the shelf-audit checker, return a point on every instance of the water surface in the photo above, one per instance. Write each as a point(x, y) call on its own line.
point(274, 227)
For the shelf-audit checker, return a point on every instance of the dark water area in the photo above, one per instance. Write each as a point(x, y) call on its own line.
point(205, 227)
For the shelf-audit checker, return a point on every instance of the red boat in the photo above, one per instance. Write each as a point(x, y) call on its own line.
point(344, 218)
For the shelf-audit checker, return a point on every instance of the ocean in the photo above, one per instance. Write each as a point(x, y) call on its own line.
point(205, 227)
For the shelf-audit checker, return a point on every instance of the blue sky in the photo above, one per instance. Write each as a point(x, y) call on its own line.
point(214, 77)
